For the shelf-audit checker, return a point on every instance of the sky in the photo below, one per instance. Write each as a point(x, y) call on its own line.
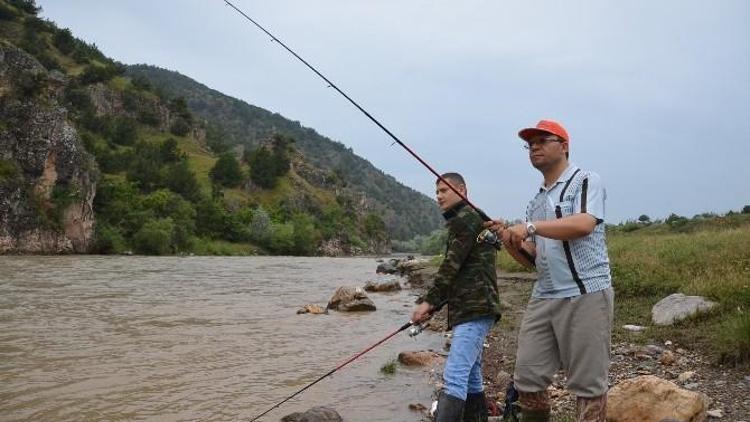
point(655, 95)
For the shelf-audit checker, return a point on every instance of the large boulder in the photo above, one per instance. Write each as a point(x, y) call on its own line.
point(316, 414)
point(421, 358)
point(677, 307)
point(350, 299)
point(385, 286)
point(651, 399)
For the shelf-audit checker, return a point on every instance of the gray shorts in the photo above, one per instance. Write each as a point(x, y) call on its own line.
point(573, 334)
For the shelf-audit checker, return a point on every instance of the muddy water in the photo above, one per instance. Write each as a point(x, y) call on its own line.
point(209, 339)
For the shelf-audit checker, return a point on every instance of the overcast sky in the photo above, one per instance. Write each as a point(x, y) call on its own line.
point(655, 94)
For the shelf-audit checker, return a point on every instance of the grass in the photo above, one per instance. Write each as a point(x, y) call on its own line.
point(389, 368)
point(709, 258)
point(222, 248)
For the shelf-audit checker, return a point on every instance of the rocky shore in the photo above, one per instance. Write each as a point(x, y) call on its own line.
point(724, 391)
point(648, 380)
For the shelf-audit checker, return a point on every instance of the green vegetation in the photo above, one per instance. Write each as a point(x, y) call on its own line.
point(708, 256)
point(389, 368)
point(231, 122)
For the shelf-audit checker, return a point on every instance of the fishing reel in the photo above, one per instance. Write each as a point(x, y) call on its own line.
point(415, 330)
point(489, 237)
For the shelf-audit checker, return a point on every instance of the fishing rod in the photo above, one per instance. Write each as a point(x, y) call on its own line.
point(360, 108)
point(416, 329)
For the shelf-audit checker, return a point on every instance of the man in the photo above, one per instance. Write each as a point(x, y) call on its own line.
point(467, 281)
point(568, 320)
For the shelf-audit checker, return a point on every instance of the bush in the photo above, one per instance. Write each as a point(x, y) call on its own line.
point(123, 131)
point(180, 127)
point(26, 6)
point(108, 240)
point(180, 179)
point(93, 74)
point(746, 209)
point(260, 228)
point(9, 170)
point(226, 171)
point(155, 237)
point(64, 41)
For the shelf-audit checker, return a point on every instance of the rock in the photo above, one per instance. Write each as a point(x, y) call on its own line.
point(312, 309)
point(650, 398)
point(685, 376)
point(48, 181)
point(667, 358)
point(316, 414)
point(715, 414)
point(386, 286)
point(421, 358)
point(418, 407)
point(503, 379)
point(388, 267)
point(677, 307)
point(350, 299)
point(633, 328)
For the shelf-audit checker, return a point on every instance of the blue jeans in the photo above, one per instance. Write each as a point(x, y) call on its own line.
point(463, 370)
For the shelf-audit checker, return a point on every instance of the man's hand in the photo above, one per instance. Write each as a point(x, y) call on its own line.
point(515, 235)
point(496, 226)
point(421, 313)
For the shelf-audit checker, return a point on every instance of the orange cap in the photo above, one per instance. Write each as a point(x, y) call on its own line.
point(544, 127)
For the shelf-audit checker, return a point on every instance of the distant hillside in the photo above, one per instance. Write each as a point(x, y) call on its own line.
point(94, 159)
point(406, 212)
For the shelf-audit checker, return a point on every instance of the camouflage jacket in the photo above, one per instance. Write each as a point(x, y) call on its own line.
point(467, 277)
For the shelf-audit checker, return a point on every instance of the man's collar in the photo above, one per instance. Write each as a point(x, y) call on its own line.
point(453, 211)
point(563, 177)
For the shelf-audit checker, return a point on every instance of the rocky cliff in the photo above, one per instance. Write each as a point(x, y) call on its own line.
point(47, 180)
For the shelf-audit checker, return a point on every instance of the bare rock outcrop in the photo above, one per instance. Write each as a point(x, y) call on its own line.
point(47, 180)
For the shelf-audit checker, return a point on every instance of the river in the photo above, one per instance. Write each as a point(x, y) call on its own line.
point(196, 339)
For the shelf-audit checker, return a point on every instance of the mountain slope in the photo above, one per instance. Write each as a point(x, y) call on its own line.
point(405, 211)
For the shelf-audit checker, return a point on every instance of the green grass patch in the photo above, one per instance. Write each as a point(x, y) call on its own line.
point(222, 248)
point(709, 258)
point(389, 368)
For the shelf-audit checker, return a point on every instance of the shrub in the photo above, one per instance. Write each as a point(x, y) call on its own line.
point(108, 240)
point(64, 41)
point(226, 171)
point(155, 237)
point(180, 127)
point(123, 131)
point(9, 170)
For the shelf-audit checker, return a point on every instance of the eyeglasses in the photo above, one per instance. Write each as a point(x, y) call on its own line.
point(541, 142)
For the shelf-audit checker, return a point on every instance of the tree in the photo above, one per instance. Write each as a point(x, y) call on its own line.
point(260, 228)
point(262, 168)
point(226, 171)
point(746, 209)
point(64, 41)
point(124, 131)
point(644, 219)
point(155, 237)
point(180, 179)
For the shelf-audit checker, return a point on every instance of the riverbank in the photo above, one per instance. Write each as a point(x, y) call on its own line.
point(633, 354)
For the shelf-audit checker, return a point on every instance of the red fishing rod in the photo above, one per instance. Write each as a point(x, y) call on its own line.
point(350, 360)
point(369, 116)
point(417, 328)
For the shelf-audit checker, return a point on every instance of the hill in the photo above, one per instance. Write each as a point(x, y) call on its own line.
point(94, 158)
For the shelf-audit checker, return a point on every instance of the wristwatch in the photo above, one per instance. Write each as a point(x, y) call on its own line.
point(530, 229)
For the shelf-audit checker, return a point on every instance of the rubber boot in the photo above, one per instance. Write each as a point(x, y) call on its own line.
point(591, 409)
point(449, 408)
point(535, 415)
point(475, 409)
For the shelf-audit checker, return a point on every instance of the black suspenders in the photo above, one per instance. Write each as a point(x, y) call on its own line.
point(566, 244)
